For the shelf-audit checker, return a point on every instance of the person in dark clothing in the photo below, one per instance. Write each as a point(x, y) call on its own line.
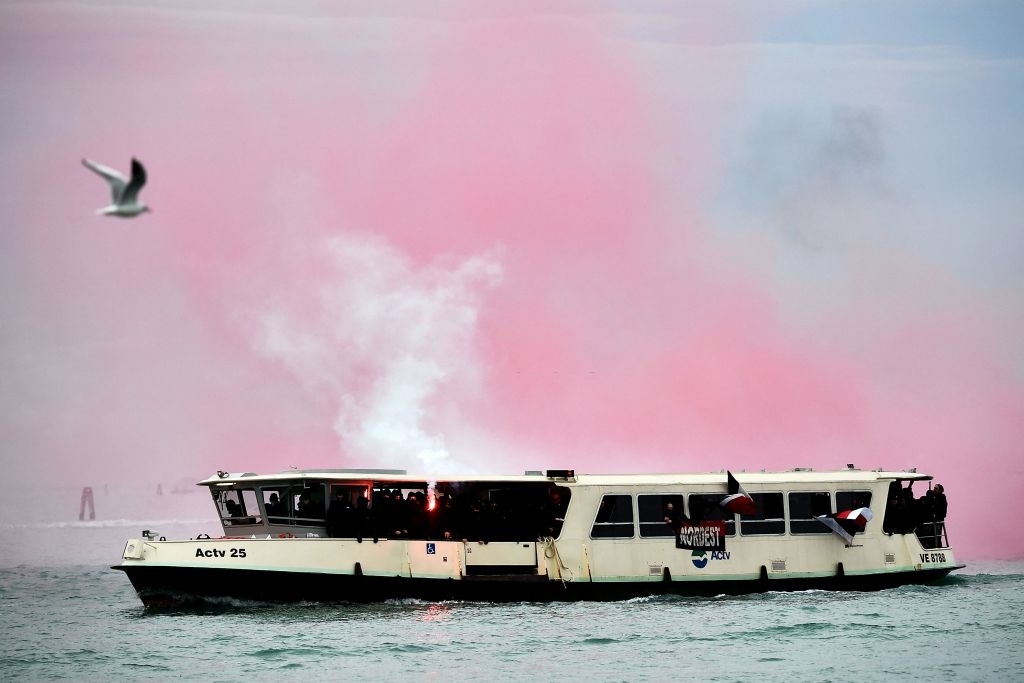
point(939, 506)
point(940, 503)
point(363, 520)
point(307, 508)
point(233, 508)
point(894, 512)
point(416, 515)
point(911, 511)
point(674, 518)
point(552, 514)
point(274, 506)
point(339, 516)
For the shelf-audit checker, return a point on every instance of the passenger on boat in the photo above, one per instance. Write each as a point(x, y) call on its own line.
point(274, 506)
point(558, 505)
point(402, 513)
point(416, 505)
point(363, 520)
point(340, 516)
point(674, 518)
point(233, 508)
point(933, 512)
point(941, 504)
point(444, 517)
point(437, 516)
point(554, 513)
point(307, 508)
point(913, 510)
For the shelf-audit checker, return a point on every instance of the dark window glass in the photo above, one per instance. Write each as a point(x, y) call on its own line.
point(654, 509)
point(275, 502)
point(851, 500)
point(804, 506)
point(250, 507)
point(770, 516)
point(307, 504)
point(237, 506)
point(704, 507)
point(614, 518)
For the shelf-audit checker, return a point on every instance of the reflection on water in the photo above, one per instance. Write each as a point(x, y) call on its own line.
point(437, 611)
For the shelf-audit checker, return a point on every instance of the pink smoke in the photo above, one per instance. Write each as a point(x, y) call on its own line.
point(476, 242)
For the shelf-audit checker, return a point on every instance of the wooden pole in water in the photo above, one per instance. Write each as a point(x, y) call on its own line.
point(87, 500)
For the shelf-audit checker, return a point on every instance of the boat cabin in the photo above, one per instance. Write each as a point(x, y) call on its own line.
point(376, 504)
point(391, 504)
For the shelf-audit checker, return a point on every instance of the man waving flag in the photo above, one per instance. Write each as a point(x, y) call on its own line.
point(738, 500)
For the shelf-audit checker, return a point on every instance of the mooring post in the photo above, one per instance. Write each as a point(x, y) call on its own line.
point(87, 500)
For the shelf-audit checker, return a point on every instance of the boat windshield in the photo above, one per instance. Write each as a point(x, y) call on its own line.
point(237, 507)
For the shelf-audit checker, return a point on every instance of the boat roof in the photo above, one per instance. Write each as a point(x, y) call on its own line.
point(797, 475)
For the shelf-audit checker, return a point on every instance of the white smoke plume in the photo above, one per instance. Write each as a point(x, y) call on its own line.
point(390, 343)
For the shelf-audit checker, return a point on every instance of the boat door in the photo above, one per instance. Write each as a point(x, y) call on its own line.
point(501, 557)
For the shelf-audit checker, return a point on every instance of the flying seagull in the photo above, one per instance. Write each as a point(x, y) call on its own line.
point(125, 193)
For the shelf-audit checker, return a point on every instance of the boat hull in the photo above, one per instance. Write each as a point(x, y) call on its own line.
point(162, 586)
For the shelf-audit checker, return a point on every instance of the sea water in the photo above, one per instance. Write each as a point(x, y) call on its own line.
point(64, 613)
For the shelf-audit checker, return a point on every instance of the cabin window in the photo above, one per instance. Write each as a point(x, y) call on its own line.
point(851, 500)
point(655, 509)
point(614, 517)
point(399, 509)
point(804, 506)
point(275, 503)
point(306, 504)
point(237, 506)
point(705, 507)
point(476, 511)
point(770, 516)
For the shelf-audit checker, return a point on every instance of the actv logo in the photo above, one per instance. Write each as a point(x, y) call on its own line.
point(700, 557)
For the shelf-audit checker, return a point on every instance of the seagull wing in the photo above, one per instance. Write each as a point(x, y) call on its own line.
point(117, 181)
point(136, 183)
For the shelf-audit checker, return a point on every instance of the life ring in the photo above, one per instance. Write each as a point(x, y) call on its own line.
point(286, 535)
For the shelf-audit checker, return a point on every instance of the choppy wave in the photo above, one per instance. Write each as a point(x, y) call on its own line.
point(87, 622)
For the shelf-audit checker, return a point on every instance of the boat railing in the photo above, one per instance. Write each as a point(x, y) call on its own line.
point(932, 534)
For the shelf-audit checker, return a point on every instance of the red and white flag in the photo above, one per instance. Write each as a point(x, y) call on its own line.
point(738, 500)
point(860, 517)
point(847, 523)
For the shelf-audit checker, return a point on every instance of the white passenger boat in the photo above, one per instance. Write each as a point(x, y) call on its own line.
point(365, 535)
